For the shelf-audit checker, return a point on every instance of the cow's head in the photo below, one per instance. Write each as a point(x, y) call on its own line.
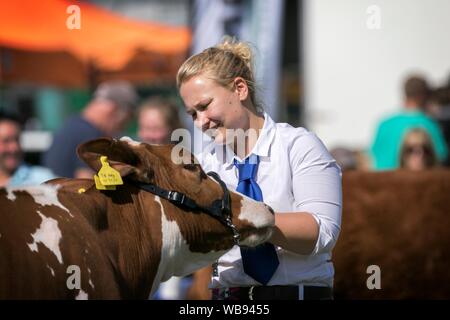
point(195, 233)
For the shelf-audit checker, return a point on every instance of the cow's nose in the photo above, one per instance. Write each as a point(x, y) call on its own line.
point(270, 209)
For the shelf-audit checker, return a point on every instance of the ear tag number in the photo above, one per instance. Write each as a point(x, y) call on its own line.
point(100, 186)
point(107, 175)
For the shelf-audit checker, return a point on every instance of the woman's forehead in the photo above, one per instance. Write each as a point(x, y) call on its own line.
point(198, 89)
point(199, 83)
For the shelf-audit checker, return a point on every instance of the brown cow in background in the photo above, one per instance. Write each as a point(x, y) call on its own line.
point(396, 220)
point(399, 221)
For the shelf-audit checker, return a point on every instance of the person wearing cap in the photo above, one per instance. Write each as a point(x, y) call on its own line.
point(106, 115)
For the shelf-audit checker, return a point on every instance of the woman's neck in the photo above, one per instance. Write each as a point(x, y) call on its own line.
point(255, 125)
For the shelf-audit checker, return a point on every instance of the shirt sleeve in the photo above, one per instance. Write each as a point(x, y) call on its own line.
point(317, 188)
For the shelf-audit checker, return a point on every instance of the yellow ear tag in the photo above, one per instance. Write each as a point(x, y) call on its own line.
point(107, 175)
point(100, 186)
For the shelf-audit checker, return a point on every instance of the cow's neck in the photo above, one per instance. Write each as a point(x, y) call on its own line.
point(144, 239)
point(129, 236)
point(177, 256)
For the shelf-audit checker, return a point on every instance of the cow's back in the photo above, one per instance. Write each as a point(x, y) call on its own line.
point(400, 222)
point(46, 242)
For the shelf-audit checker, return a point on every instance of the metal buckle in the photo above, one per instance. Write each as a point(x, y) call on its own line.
point(250, 293)
point(176, 196)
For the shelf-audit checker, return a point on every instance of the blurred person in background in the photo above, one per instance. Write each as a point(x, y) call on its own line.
point(157, 119)
point(13, 170)
point(106, 115)
point(385, 149)
point(439, 108)
point(417, 152)
point(345, 158)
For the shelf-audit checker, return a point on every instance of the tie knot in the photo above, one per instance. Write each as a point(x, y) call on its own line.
point(247, 169)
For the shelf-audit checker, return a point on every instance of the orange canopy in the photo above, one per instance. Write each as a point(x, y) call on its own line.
point(104, 38)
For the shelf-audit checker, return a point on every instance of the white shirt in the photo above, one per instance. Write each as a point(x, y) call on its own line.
point(296, 173)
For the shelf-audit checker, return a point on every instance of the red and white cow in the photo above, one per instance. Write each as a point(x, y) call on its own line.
point(122, 243)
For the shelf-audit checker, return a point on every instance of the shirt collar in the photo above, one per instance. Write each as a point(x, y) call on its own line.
point(225, 155)
point(19, 175)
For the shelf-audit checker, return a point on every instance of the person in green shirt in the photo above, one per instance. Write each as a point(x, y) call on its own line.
point(385, 150)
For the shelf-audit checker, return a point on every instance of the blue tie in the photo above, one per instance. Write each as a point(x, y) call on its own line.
point(260, 262)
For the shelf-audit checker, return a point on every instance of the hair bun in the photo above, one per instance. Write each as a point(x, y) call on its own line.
point(239, 48)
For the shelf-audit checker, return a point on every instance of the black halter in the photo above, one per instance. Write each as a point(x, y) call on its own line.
point(219, 209)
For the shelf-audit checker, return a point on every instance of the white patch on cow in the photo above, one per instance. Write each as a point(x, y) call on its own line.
point(82, 295)
point(130, 141)
point(90, 281)
point(176, 258)
point(45, 195)
point(256, 212)
point(51, 270)
point(10, 194)
point(49, 235)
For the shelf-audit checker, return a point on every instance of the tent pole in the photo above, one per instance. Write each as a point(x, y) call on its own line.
point(92, 76)
point(1, 66)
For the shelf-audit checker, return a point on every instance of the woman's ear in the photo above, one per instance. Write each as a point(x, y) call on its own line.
point(241, 88)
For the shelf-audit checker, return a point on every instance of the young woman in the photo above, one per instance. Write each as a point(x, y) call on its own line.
point(157, 119)
point(417, 151)
point(288, 168)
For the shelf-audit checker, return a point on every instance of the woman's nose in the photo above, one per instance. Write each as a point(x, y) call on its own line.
point(203, 121)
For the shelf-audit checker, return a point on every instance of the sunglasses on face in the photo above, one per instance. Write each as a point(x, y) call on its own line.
point(418, 150)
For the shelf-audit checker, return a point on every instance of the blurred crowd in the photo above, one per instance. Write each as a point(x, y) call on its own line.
point(417, 137)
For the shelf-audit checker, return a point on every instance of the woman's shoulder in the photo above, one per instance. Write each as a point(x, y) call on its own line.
point(294, 135)
point(301, 143)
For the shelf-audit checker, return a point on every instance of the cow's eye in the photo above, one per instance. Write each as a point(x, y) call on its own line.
point(190, 167)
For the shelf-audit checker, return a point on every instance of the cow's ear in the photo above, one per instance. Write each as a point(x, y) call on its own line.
point(121, 156)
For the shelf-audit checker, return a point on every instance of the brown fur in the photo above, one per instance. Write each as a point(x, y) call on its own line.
point(120, 229)
point(399, 221)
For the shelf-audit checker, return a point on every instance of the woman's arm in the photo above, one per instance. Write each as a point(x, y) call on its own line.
point(296, 232)
point(314, 225)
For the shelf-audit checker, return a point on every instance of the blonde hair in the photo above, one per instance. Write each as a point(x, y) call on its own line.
point(222, 63)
